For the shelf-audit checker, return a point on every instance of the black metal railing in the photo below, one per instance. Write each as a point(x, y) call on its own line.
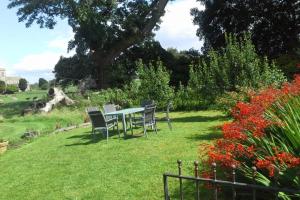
point(215, 184)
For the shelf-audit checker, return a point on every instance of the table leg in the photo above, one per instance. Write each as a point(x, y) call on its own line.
point(124, 125)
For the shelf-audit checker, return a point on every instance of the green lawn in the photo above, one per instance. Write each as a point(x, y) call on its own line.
point(13, 125)
point(74, 165)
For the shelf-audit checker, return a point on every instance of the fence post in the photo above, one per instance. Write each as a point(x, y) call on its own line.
point(196, 169)
point(254, 171)
point(233, 180)
point(214, 166)
point(179, 162)
point(166, 189)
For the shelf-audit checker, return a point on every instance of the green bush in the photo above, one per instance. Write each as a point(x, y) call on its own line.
point(2, 87)
point(10, 89)
point(236, 65)
point(43, 84)
point(22, 84)
point(154, 83)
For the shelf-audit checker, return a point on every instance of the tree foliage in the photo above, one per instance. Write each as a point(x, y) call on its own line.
point(123, 71)
point(43, 84)
point(275, 25)
point(103, 28)
point(23, 84)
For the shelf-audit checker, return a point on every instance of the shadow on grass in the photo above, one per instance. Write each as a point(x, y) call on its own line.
point(11, 109)
point(200, 119)
point(213, 133)
point(89, 138)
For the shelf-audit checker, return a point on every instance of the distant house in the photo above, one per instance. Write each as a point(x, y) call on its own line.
point(9, 80)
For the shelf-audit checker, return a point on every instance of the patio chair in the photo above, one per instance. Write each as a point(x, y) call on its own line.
point(147, 119)
point(148, 102)
point(135, 119)
point(99, 123)
point(110, 108)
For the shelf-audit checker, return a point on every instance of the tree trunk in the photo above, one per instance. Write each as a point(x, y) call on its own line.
point(58, 97)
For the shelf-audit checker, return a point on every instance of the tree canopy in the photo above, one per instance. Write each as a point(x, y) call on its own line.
point(274, 25)
point(103, 28)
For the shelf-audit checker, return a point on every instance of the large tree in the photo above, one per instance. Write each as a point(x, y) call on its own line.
point(104, 28)
point(274, 24)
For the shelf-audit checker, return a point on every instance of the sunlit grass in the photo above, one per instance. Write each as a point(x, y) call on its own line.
point(75, 165)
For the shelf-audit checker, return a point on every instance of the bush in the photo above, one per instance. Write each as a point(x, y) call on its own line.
point(264, 133)
point(154, 83)
point(11, 89)
point(228, 100)
point(236, 65)
point(2, 87)
point(23, 84)
point(43, 84)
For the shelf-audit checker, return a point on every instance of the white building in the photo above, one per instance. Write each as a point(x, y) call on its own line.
point(9, 80)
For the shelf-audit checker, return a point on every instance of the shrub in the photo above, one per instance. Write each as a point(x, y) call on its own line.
point(2, 86)
point(22, 84)
point(154, 83)
point(264, 132)
point(236, 65)
point(43, 84)
point(10, 89)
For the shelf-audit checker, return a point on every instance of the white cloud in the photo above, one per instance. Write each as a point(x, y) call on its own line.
point(61, 41)
point(177, 29)
point(38, 62)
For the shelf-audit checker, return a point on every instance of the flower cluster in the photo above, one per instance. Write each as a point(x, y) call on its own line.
point(250, 122)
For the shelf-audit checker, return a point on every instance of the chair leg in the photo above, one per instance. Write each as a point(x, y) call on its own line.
point(130, 121)
point(118, 129)
point(155, 128)
point(106, 134)
point(169, 124)
point(145, 130)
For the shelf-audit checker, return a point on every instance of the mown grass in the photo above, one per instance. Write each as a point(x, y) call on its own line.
point(75, 165)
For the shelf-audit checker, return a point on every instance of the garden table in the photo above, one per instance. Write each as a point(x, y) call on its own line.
point(123, 113)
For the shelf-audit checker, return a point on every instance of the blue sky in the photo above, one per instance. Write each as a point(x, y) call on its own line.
point(32, 52)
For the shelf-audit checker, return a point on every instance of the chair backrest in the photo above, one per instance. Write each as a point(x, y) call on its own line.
point(91, 109)
point(148, 102)
point(149, 113)
point(109, 108)
point(97, 118)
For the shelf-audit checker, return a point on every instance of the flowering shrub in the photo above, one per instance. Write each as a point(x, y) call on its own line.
point(262, 134)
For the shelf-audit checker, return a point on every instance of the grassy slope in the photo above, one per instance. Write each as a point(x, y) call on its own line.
point(73, 165)
point(14, 125)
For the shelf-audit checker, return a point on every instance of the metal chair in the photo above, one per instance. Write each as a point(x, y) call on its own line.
point(135, 119)
point(110, 108)
point(99, 123)
point(148, 119)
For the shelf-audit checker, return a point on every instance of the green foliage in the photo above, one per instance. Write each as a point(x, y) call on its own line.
point(130, 22)
point(273, 24)
point(228, 100)
point(10, 89)
point(236, 65)
point(23, 84)
point(155, 81)
point(43, 84)
point(289, 64)
point(2, 87)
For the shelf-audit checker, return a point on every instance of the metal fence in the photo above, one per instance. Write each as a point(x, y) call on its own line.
point(215, 184)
